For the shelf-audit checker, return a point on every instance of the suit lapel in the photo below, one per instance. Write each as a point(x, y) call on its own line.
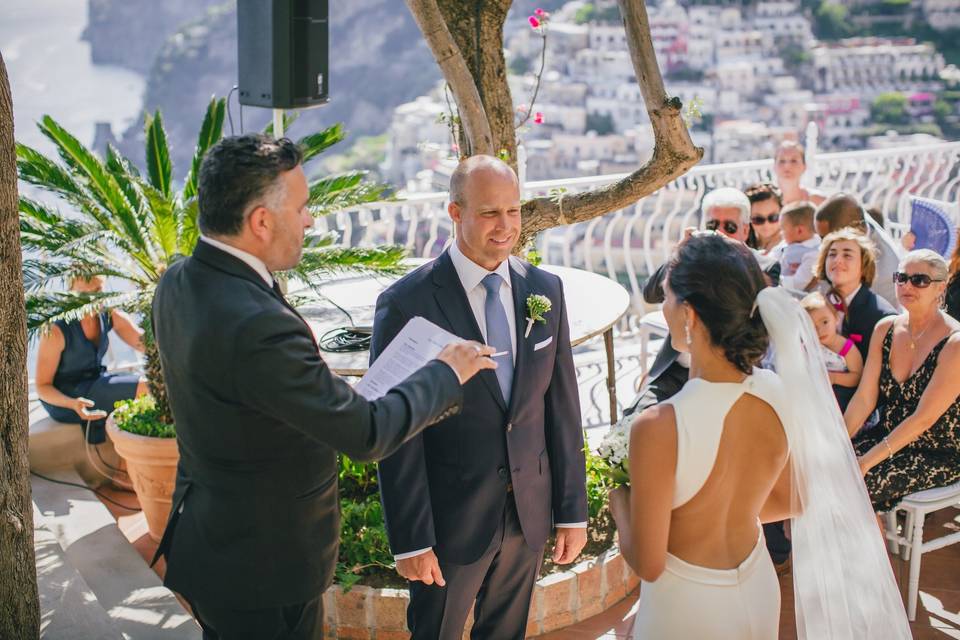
point(453, 303)
point(520, 289)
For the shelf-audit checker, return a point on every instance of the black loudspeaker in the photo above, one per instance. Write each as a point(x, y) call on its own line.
point(282, 48)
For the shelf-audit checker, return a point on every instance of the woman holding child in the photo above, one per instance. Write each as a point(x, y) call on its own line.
point(911, 377)
point(847, 264)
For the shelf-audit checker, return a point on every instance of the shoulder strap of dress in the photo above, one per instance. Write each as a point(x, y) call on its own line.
point(846, 347)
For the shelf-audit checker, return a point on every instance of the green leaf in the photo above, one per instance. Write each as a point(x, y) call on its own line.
point(159, 168)
point(125, 174)
point(343, 191)
point(189, 230)
point(38, 170)
point(210, 133)
point(317, 143)
point(164, 221)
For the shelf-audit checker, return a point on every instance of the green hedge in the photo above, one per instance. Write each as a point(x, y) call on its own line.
point(365, 552)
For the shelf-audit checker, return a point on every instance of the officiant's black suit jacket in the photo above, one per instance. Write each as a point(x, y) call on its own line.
point(446, 488)
point(259, 419)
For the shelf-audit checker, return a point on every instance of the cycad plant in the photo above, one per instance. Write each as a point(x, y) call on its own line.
point(130, 227)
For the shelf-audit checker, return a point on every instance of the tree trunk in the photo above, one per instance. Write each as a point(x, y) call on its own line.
point(19, 602)
point(477, 29)
point(153, 373)
point(474, 28)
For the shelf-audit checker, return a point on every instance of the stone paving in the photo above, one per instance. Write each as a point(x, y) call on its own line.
point(938, 610)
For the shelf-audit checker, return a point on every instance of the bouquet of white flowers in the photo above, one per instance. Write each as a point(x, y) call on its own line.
point(615, 450)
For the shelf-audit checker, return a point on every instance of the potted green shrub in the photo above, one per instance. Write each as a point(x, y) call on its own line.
point(130, 227)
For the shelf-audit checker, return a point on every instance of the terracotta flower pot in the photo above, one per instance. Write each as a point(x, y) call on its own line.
point(152, 465)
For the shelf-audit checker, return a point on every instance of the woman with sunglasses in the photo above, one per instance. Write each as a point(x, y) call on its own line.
point(847, 266)
point(911, 376)
point(953, 284)
point(765, 203)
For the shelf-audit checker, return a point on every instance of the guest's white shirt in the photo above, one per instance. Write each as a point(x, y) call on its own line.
point(251, 260)
point(471, 277)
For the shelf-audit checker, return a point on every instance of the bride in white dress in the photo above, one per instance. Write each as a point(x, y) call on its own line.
point(738, 446)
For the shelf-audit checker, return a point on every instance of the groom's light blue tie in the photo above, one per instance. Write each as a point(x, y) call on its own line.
point(498, 332)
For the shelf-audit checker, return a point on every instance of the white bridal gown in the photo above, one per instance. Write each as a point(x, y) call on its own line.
point(688, 601)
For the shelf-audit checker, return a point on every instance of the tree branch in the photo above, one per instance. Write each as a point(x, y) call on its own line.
point(473, 117)
point(673, 155)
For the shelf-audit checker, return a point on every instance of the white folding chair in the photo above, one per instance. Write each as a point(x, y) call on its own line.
point(910, 545)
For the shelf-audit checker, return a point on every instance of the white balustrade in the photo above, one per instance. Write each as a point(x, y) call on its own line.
point(627, 245)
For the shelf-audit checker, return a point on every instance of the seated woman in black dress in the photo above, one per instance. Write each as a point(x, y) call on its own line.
point(71, 379)
point(911, 375)
point(953, 284)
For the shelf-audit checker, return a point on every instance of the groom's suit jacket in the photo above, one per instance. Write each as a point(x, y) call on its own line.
point(260, 419)
point(446, 488)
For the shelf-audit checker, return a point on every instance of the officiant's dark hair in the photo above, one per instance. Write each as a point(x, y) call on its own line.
point(237, 171)
point(720, 278)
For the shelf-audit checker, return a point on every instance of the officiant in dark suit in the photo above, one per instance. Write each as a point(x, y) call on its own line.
point(470, 504)
point(253, 534)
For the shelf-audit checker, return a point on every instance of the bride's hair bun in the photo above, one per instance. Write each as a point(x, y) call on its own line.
point(720, 278)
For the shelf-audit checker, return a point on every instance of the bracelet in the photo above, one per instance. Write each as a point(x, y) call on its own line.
point(889, 448)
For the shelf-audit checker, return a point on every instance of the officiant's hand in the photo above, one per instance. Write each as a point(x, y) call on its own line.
point(423, 568)
point(570, 542)
point(467, 358)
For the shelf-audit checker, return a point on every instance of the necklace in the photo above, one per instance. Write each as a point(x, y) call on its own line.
point(914, 338)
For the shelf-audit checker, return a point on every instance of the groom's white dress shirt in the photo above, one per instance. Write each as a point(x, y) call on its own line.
point(471, 276)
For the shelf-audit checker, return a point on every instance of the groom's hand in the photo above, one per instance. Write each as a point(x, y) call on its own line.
point(423, 568)
point(570, 542)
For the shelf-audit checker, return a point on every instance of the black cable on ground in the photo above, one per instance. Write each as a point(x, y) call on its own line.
point(83, 486)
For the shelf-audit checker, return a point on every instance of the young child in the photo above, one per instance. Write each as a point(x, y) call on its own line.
point(843, 359)
point(799, 257)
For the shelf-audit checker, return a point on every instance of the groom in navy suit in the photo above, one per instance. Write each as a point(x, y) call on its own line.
point(469, 506)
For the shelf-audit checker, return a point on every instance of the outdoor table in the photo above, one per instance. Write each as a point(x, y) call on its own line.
point(594, 304)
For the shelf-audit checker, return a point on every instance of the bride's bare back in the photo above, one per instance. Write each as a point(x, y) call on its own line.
point(717, 528)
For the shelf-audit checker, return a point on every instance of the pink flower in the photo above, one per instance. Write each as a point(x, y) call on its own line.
point(522, 107)
point(539, 12)
point(538, 118)
point(534, 23)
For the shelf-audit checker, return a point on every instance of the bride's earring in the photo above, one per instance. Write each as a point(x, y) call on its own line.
point(687, 338)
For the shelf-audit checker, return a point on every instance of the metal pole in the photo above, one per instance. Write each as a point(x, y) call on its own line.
point(278, 123)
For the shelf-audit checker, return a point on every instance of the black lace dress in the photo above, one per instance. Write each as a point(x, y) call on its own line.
point(933, 459)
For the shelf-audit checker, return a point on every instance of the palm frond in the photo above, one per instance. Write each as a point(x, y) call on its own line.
point(317, 143)
point(37, 169)
point(39, 274)
point(159, 168)
point(344, 191)
point(210, 133)
point(320, 262)
point(189, 231)
point(163, 220)
point(289, 117)
point(125, 174)
point(100, 185)
point(45, 229)
point(45, 308)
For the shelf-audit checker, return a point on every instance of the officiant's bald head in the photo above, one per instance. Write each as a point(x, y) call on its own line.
point(485, 205)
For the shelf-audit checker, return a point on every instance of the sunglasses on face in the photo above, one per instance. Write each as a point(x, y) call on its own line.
point(729, 226)
point(773, 218)
point(918, 280)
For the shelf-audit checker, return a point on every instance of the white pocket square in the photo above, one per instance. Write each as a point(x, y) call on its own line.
point(542, 344)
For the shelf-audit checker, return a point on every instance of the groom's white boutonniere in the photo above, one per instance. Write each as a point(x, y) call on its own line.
point(537, 305)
